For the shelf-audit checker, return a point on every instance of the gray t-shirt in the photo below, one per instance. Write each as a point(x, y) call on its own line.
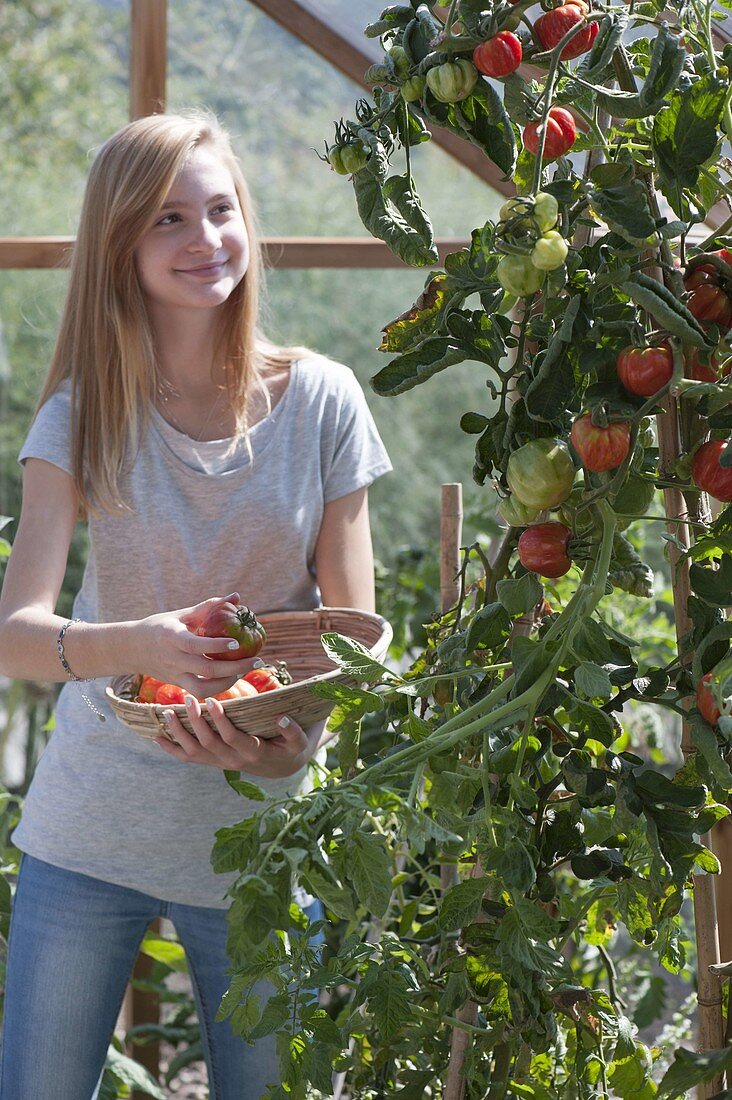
point(104, 801)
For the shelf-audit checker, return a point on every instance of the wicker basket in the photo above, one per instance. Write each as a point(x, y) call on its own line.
point(292, 636)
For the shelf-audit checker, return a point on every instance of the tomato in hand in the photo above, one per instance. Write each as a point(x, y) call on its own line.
point(705, 701)
point(228, 620)
point(561, 133)
point(170, 693)
point(551, 27)
point(541, 473)
point(600, 449)
point(644, 371)
point(707, 473)
point(543, 549)
point(453, 81)
point(499, 56)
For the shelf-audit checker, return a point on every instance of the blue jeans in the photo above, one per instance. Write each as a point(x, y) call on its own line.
point(73, 943)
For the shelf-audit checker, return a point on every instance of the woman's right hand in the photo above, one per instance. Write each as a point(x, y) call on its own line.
point(166, 646)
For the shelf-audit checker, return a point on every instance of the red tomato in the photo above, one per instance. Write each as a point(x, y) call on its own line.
point(542, 548)
point(708, 474)
point(644, 371)
point(600, 449)
point(561, 133)
point(263, 679)
point(551, 28)
point(499, 56)
point(708, 302)
point(170, 693)
point(228, 620)
point(148, 689)
point(705, 701)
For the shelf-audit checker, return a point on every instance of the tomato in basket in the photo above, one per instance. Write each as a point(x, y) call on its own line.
point(269, 677)
point(170, 693)
point(239, 690)
point(148, 689)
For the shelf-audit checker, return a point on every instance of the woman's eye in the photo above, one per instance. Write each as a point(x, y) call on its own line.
point(166, 220)
point(223, 208)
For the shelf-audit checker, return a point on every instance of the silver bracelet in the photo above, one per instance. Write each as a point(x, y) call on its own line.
point(71, 674)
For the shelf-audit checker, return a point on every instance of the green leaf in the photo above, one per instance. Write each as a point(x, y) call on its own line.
point(235, 845)
point(370, 869)
point(665, 308)
point(353, 657)
point(421, 319)
point(686, 133)
point(389, 1000)
point(392, 212)
point(164, 951)
point(625, 210)
point(690, 1068)
point(244, 788)
point(592, 681)
point(415, 367)
point(461, 904)
point(132, 1074)
point(490, 628)
point(515, 867)
point(705, 739)
point(713, 585)
point(666, 65)
point(484, 119)
point(519, 596)
point(334, 895)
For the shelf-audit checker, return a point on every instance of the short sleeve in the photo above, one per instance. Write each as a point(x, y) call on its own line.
point(353, 453)
point(50, 433)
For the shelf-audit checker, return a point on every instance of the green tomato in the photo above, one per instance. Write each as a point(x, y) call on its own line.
point(550, 251)
point(347, 159)
point(519, 204)
point(452, 81)
point(541, 473)
point(413, 88)
point(518, 276)
point(400, 60)
point(546, 211)
point(515, 513)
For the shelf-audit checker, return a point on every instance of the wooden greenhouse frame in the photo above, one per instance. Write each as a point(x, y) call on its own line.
point(147, 95)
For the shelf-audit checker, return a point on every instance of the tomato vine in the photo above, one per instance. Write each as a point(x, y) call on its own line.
point(504, 827)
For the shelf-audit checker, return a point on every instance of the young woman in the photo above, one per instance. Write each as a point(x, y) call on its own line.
point(210, 465)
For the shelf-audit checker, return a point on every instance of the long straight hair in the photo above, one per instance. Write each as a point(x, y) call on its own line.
point(105, 344)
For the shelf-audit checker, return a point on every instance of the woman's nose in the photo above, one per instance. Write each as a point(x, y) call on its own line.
point(205, 235)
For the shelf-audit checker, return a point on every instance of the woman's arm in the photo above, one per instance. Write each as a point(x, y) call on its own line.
point(160, 644)
point(344, 558)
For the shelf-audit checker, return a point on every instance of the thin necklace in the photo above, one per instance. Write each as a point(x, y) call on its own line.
point(166, 390)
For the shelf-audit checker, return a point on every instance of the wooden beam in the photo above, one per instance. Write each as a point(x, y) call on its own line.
point(18, 253)
point(354, 60)
point(148, 57)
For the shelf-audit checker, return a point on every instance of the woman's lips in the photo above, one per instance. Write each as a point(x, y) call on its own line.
point(206, 271)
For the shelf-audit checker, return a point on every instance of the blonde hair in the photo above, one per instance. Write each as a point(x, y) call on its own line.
point(105, 344)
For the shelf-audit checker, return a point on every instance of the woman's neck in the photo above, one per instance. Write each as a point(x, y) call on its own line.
point(184, 343)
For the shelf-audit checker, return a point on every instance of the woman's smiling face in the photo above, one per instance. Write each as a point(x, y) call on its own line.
point(197, 250)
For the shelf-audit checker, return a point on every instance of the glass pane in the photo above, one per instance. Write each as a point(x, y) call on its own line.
point(63, 86)
point(279, 100)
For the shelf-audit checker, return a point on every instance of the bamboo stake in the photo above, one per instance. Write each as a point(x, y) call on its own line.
point(709, 991)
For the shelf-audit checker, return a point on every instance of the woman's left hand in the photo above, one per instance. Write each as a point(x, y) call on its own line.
point(226, 747)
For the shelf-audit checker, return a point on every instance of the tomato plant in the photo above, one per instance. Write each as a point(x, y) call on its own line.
point(228, 620)
point(501, 846)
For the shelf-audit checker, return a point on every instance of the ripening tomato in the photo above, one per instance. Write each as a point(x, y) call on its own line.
point(228, 620)
point(551, 28)
point(644, 371)
point(543, 549)
point(561, 133)
point(499, 56)
point(269, 677)
point(707, 473)
point(148, 689)
point(515, 513)
point(170, 693)
point(518, 276)
point(550, 251)
point(600, 449)
point(709, 303)
point(239, 690)
point(705, 701)
point(541, 473)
